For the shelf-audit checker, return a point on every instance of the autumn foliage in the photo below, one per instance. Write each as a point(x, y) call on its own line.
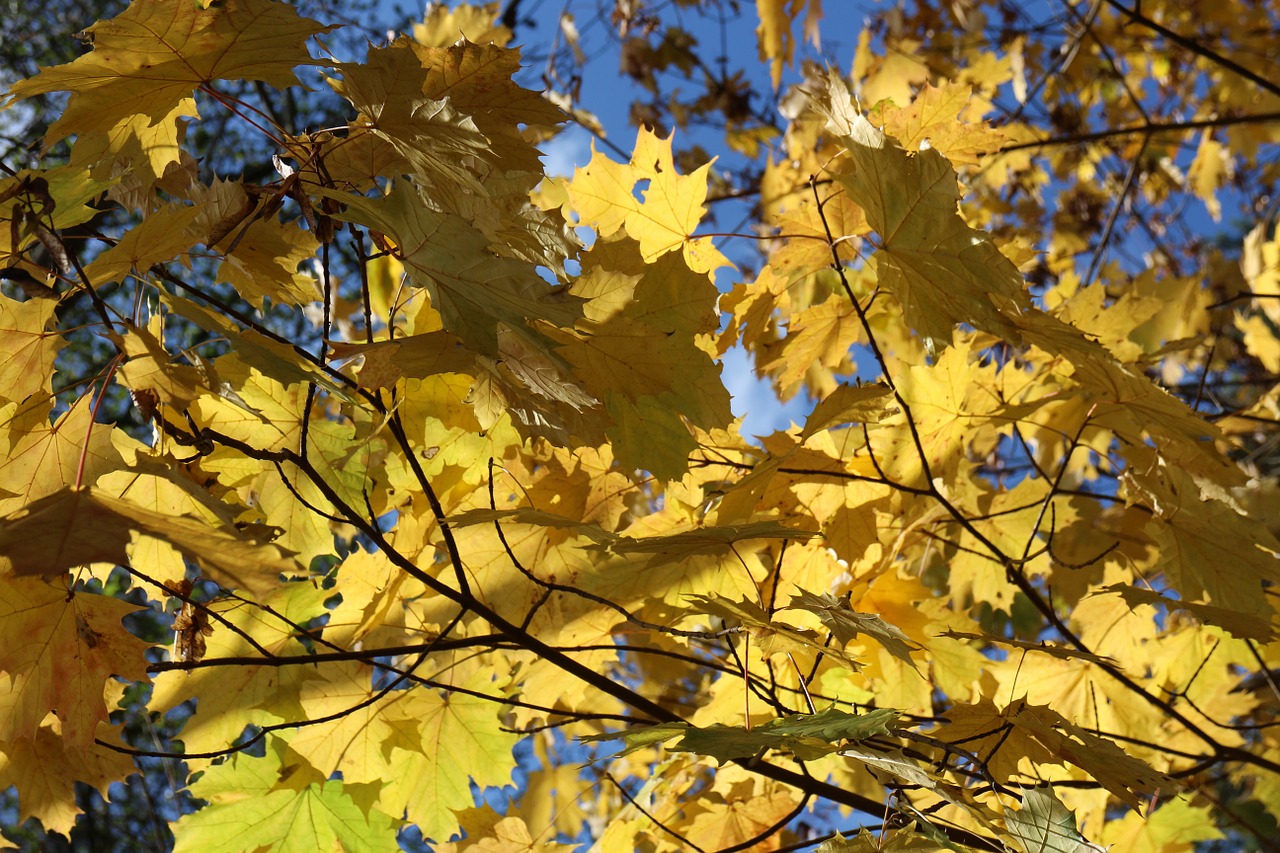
point(430, 465)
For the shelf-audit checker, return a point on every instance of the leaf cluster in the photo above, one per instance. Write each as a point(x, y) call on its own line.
point(429, 460)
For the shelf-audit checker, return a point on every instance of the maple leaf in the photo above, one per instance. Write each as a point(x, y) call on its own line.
point(230, 698)
point(865, 404)
point(512, 463)
point(270, 357)
point(777, 45)
point(47, 769)
point(807, 231)
point(256, 801)
point(264, 263)
point(502, 835)
point(416, 357)
point(845, 624)
point(704, 540)
point(441, 25)
point(61, 648)
point(165, 493)
point(436, 140)
point(29, 348)
point(74, 527)
point(41, 458)
point(151, 58)
point(526, 515)
point(1239, 624)
point(638, 349)
point(1043, 736)
point(772, 637)
point(950, 400)
point(473, 288)
point(603, 195)
point(456, 731)
point(159, 237)
point(59, 198)
point(1176, 824)
point(477, 79)
point(942, 271)
point(807, 736)
point(1205, 545)
point(820, 336)
point(1044, 824)
point(725, 825)
point(935, 116)
point(151, 368)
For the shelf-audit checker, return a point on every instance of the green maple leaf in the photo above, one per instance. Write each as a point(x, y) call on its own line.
point(470, 284)
point(254, 804)
point(771, 637)
point(846, 624)
point(1045, 825)
point(806, 736)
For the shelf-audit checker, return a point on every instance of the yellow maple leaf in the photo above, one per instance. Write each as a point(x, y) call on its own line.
point(229, 698)
point(70, 189)
point(29, 349)
point(604, 195)
point(46, 757)
point(442, 25)
point(139, 148)
point(1205, 545)
point(358, 744)
point(73, 527)
point(461, 741)
point(151, 368)
point(262, 254)
point(808, 229)
point(942, 271)
point(441, 143)
point(159, 237)
point(163, 491)
point(154, 55)
point(59, 650)
point(820, 335)
point(950, 400)
point(39, 458)
point(486, 831)
point(776, 43)
point(936, 116)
